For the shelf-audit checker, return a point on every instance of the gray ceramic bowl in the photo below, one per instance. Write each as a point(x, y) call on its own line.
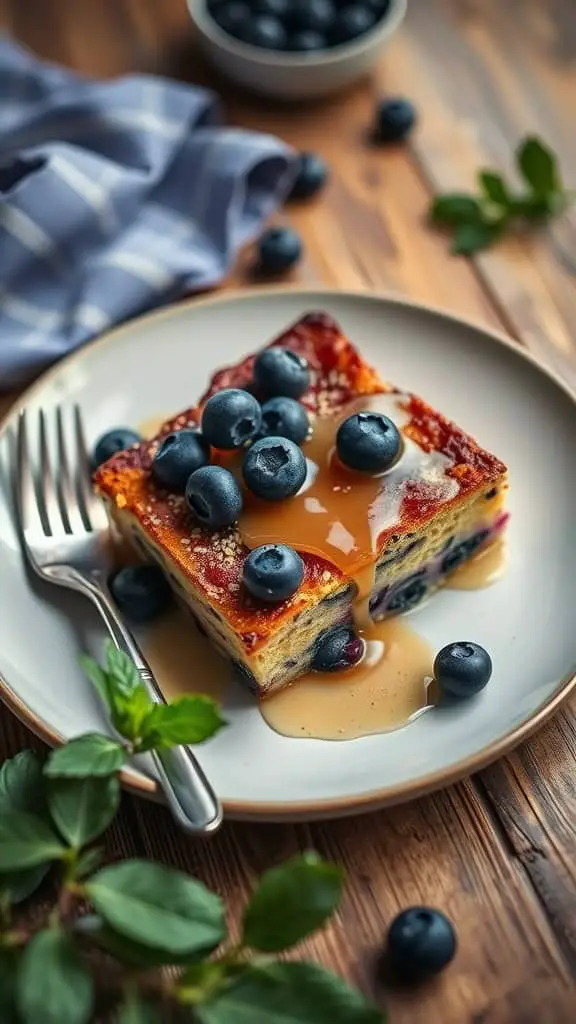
point(293, 76)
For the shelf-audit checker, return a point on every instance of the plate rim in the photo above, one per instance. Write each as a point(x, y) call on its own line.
point(372, 799)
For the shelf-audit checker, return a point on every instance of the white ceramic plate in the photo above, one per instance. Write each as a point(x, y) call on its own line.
point(161, 363)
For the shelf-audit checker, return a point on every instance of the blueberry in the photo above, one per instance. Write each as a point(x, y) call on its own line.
point(307, 41)
point(462, 669)
point(285, 417)
point(407, 595)
point(395, 120)
point(336, 649)
point(378, 7)
point(279, 249)
point(230, 418)
point(421, 942)
point(311, 176)
point(279, 371)
point(114, 441)
point(273, 572)
point(350, 23)
point(279, 8)
point(266, 31)
point(234, 18)
point(179, 454)
point(141, 592)
point(274, 468)
point(214, 497)
point(369, 442)
point(311, 15)
point(463, 551)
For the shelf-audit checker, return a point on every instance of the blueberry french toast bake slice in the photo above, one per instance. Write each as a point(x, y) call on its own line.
point(302, 493)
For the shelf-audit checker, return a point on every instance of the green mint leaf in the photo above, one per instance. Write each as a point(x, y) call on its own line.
point(538, 166)
point(19, 885)
point(495, 189)
point(82, 809)
point(456, 208)
point(87, 863)
point(54, 986)
point(88, 755)
point(160, 908)
point(8, 974)
point(126, 951)
point(135, 1010)
point(26, 841)
point(99, 680)
point(21, 784)
point(191, 719)
point(471, 238)
point(122, 672)
point(291, 993)
point(291, 902)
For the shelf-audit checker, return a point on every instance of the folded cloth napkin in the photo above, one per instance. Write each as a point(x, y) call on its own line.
point(115, 196)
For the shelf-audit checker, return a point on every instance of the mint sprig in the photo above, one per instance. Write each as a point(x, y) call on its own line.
point(142, 916)
point(477, 221)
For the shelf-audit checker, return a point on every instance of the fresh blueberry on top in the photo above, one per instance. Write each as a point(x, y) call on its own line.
point(352, 21)
point(214, 497)
point(273, 572)
point(279, 371)
point(336, 649)
point(421, 942)
point(278, 249)
point(311, 176)
point(274, 468)
point(142, 592)
point(395, 119)
point(306, 41)
point(314, 15)
point(285, 417)
point(114, 441)
point(266, 31)
point(368, 441)
point(230, 418)
point(179, 454)
point(462, 669)
point(234, 17)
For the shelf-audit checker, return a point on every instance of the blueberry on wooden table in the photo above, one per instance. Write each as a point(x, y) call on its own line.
point(141, 592)
point(214, 497)
point(368, 441)
point(112, 442)
point(421, 943)
point(462, 669)
point(274, 468)
point(279, 371)
point(273, 572)
point(179, 454)
point(278, 250)
point(336, 649)
point(230, 418)
point(311, 176)
point(395, 119)
point(285, 417)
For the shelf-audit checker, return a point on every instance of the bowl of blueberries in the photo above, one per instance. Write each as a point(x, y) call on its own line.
point(295, 49)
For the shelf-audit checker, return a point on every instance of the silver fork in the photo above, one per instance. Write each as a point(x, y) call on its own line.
point(66, 539)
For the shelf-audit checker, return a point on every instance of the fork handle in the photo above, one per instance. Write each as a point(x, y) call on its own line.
point(189, 795)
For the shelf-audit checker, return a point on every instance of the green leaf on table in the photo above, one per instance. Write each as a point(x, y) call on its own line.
point(471, 238)
point(456, 208)
point(127, 951)
point(287, 993)
point(19, 885)
point(54, 986)
point(90, 755)
point(8, 973)
point(87, 862)
point(291, 902)
point(121, 690)
point(22, 789)
point(495, 189)
point(158, 907)
point(190, 719)
point(135, 1010)
point(82, 809)
point(26, 841)
point(538, 166)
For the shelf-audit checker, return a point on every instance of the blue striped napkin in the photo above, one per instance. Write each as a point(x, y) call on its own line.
point(115, 196)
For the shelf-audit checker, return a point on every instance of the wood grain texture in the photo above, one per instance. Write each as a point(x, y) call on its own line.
point(498, 852)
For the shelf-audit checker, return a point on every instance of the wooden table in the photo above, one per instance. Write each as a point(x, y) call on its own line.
point(497, 852)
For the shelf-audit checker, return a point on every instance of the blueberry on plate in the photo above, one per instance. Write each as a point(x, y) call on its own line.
point(336, 649)
point(141, 592)
point(306, 41)
point(462, 669)
point(179, 455)
point(285, 417)
point(311, 15)
point(114, 441)
point(352, 21)
point(369, 442)
point(278, 250)
point(273, 572)
point(230, 418)
point(274, 468)
point(311, 176)
point(266, 31)
point(421, 943)
point(233, 18)
point(461, 552)
point(407, 594)
point(395, 119)
point(214, 497)
point(279, 371)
